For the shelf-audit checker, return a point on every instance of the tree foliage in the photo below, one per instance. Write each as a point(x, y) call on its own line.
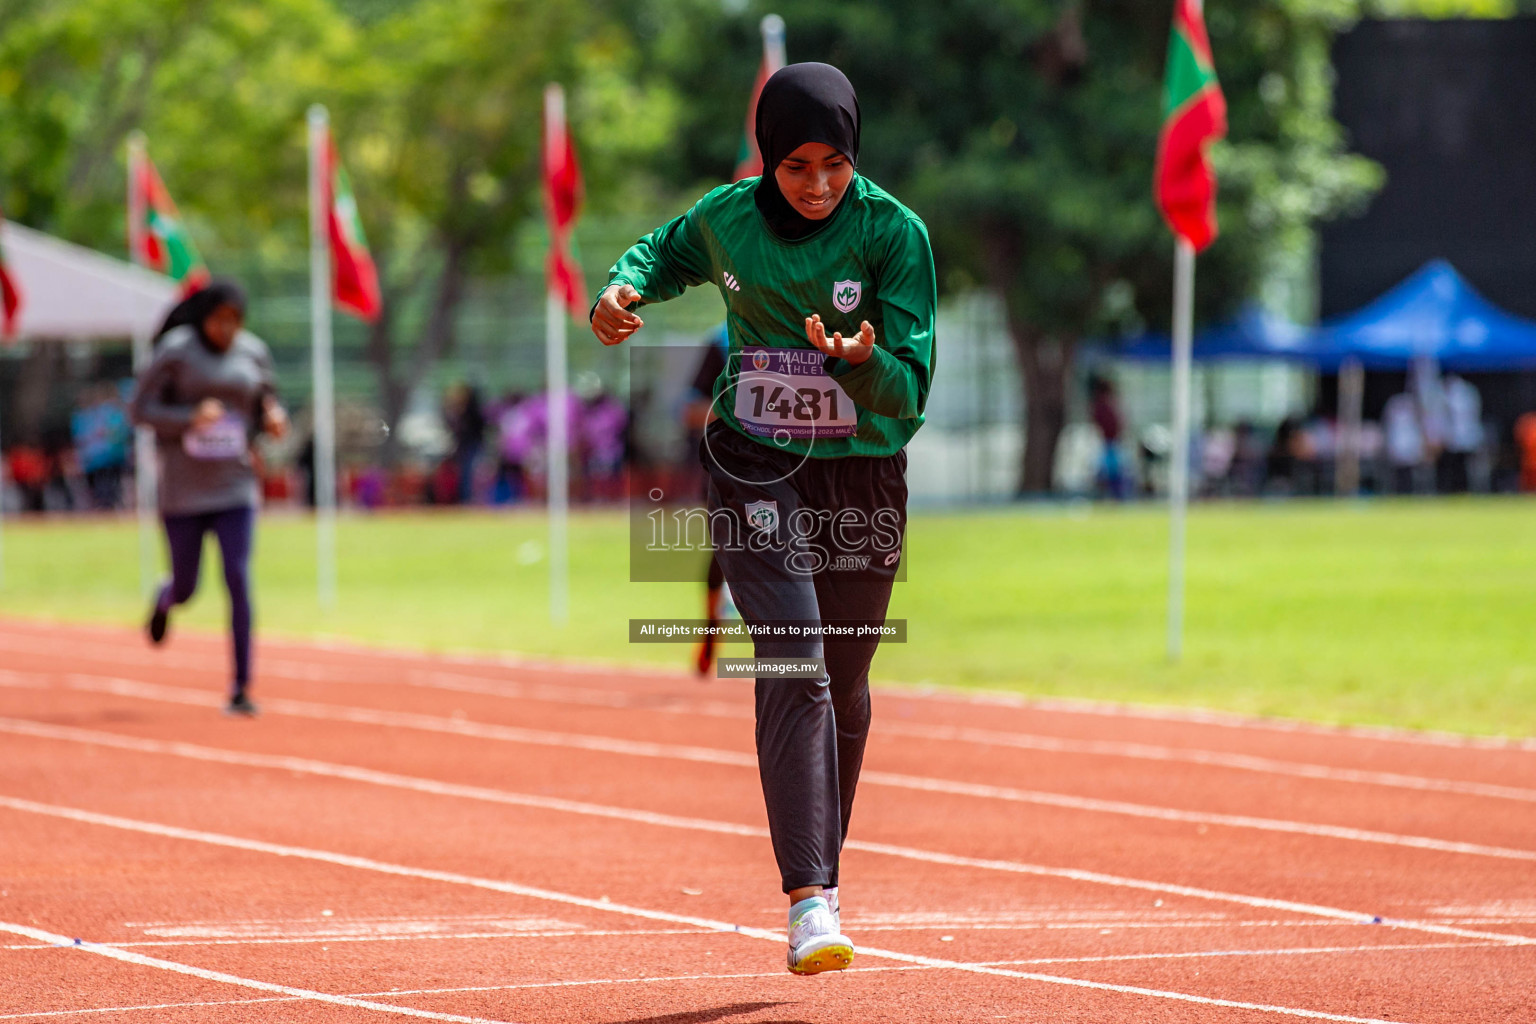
point(436, 106)
point(1024, 132)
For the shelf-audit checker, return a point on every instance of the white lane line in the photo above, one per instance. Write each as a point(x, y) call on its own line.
point(434, 787)
point(513, 888)
point(113, 953)
point(587, 696)
point(1194, 892)
point(22, 681)
point(1210, 716)
point(672, 705)
point(766, 975)
point(1219, 953)
point(147, 1006)
point(710, 755)
point(116, 649)
point(1094, 804)
point(326, 940)
point(465, 989)
point(1208, 758)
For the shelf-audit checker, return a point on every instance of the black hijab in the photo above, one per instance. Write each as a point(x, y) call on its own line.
point(195, 308)
point(802, 103)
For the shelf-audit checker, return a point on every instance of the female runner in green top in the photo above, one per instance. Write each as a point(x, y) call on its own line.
point(828, 283)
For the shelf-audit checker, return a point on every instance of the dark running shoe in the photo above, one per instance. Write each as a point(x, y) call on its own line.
point(240, 704)
point(159, 618)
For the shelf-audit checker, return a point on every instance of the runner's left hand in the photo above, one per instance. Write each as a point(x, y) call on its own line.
point(856, 349)
point(276, 418)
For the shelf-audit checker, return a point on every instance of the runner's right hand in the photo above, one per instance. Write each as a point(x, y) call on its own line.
point(611, 322)
point(209, 410)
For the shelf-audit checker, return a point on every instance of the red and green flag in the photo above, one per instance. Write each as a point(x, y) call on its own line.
point(354, 277)
point(1194, 116)
point(563, 192)
point(156, 234)
point(749, 161)
point(10, 297)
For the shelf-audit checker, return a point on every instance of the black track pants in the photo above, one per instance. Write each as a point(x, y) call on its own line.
point(808, 542)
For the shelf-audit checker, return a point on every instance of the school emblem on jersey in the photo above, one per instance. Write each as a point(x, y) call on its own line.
point(760, 361)
point(763, 515)
point(846, 295)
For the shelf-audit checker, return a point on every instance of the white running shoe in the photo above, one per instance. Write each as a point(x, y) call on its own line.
point(830, 895)
point(816, 944)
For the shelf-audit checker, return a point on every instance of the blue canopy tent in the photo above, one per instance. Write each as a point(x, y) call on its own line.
point(1254, 334)
point(1433, 314)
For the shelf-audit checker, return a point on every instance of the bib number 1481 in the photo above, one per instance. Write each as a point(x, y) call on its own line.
point(805, 406)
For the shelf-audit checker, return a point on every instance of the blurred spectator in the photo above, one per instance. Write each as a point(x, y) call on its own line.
point(305, 462)
point(102, 436)
point(30, 473)
point(601, 433)
point(370, 487)
point(510, 484)
point(1246, 475)
point(1463, 434)
point(1289, 464)
point(1434, 416)
point(528, 434)
point(465, 419)
point(1322, 439)
point(1217, 450)
point(1105, 410)
point(1525, 439)
point(696, 412)
point(1372, 441)
point(1405, 441)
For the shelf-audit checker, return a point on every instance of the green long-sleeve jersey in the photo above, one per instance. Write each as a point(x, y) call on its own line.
point(873, 262)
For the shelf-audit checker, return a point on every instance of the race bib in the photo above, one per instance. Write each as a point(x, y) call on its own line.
point(222, 439)
point(786, 393)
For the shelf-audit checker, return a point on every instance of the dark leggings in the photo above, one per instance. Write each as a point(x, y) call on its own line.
point(810, 732)
point(234, 528)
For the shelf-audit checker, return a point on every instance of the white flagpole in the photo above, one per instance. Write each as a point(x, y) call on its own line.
point(1178, 465)
point(2, 522)
point(773, 40)
point(324, 402)
point(145, 458)
point(556, 391)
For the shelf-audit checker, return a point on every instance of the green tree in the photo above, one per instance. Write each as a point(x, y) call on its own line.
point(219, 87)
point(436, 107)
point(445, 138)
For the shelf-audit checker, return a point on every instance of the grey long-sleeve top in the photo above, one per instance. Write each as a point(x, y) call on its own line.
point(206, 470)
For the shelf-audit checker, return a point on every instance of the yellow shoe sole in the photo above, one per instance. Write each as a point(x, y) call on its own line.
point(831, 958)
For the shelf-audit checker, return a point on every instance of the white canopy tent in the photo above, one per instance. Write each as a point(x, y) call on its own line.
point(71, 293)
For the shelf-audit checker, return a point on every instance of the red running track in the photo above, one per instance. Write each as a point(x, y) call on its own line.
point(410, 837)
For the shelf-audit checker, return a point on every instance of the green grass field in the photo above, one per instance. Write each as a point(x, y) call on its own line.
point(1410, 613)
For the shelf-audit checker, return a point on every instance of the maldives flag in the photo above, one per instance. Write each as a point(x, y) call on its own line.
point(562, 202)
point(157, 237)
point(354, 278)
point(1194, 116)
point(749, 160)
point(10, 297)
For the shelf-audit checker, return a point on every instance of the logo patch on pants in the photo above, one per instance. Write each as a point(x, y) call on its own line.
point(763, 515)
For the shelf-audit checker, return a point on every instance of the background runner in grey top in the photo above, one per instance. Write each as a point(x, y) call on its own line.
point(205, 469)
